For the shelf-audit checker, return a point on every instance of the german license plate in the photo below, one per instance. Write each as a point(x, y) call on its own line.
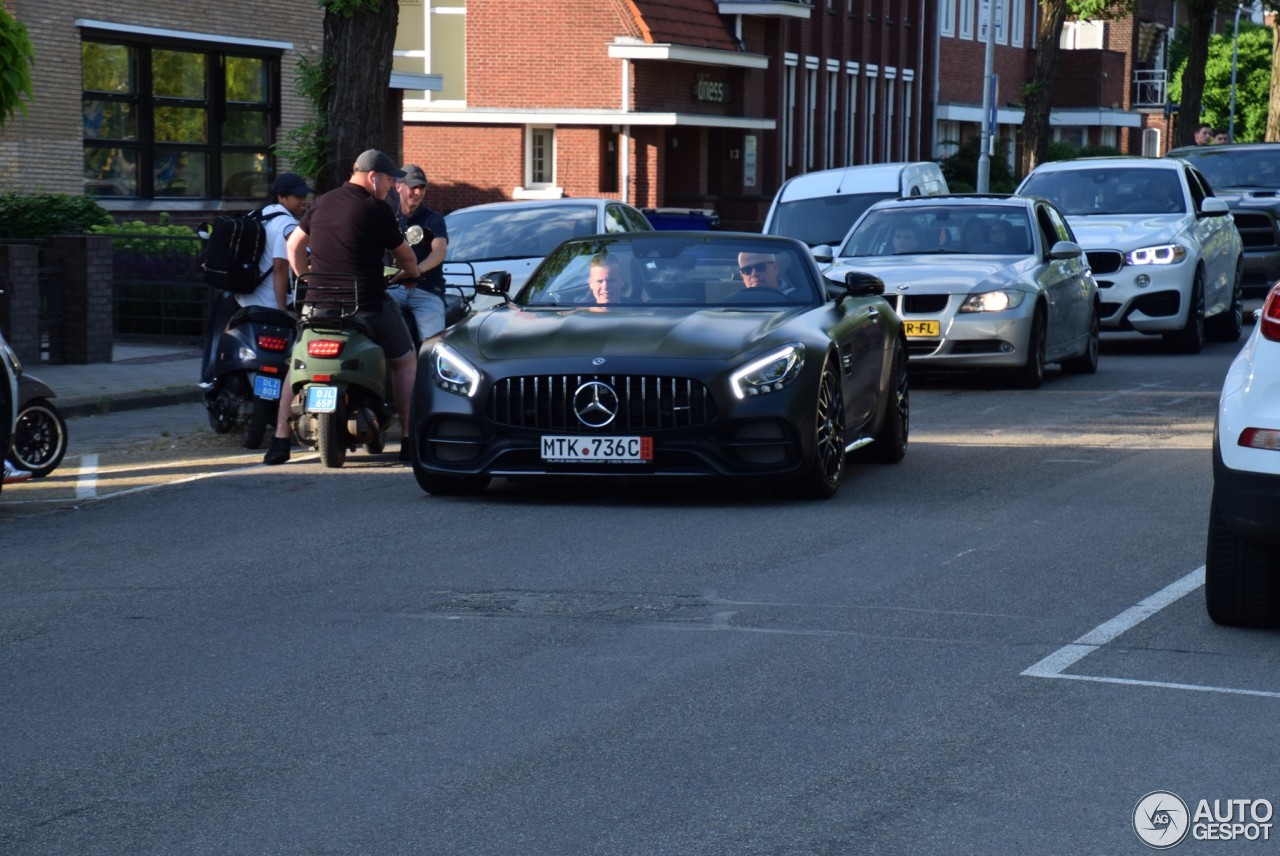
point(267, 387)
point(322, 399)
point(596, 450)
point(922, 329)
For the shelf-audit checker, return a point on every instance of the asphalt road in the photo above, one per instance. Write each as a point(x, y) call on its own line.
point(997, 646)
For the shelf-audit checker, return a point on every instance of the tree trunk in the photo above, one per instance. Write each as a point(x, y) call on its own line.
point(1199, 28)
point(1039, 100)
point(1273, 99)
point(359, 47)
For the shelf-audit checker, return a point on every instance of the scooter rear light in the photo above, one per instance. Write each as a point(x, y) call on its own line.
point(272, 343)
point(1267, 439)
point(324, 347)
point(1269, 318)
point(269, 370)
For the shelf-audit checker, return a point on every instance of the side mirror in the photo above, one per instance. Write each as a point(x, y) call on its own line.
point(860, 284)
point(1214, 207)
point(495, 284)
point(823, 254)
point(1065, 250)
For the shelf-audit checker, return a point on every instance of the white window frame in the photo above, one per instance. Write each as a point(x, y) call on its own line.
point(966, 19)
point(868, 143)
point(908, 79)
point(890, 113)
point(810, 112)
point(948, 142)
point(533, 189)
point(947, 18)
point(1002, 21)
point(791, 63)
point(833, 113)
point(1017, 22)
point(850, 126)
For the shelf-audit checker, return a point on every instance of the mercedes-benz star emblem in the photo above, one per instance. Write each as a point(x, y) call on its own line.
point(598, 361)
point(595, 404)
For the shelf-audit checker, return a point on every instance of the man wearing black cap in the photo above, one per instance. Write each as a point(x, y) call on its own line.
point(348, 230)
point(290, 192)
point(426, 301)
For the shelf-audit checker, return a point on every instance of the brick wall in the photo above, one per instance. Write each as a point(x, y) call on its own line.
point(43, 151)
point(20, 303)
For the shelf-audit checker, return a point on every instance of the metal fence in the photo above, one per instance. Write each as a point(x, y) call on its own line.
point(158, 288)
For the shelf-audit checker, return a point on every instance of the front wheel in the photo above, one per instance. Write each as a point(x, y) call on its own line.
point(1087, 363)
point(825, 472)
point(331, 437)
point(1227, 326)
point(1031, 374)
point(40, 438)
point(1190, 339)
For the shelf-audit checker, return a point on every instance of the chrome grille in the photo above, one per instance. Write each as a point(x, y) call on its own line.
point(645, 403)
point(1104, 261)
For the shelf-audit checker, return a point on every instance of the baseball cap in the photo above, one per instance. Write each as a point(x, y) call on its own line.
point(413, 175)
point(372, 160)
point(290, 184)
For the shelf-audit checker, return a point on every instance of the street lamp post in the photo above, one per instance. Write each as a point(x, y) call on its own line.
point(1235, 56)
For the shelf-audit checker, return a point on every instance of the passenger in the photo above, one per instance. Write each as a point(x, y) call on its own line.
point(1001, 238)
point(974, 237)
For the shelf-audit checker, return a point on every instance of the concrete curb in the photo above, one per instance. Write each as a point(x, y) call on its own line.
point(91, 405)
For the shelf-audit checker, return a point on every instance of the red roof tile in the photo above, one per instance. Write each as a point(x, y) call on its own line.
point(692, 23)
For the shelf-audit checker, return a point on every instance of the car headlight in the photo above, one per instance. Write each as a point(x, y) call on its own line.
point(452, 372)
point(993, 301)
point(1162, 254)
point(770, 373)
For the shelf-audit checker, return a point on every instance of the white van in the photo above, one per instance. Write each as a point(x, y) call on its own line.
point(819, 207)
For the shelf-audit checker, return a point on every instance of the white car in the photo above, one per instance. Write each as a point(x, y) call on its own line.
point(1242, 558)
point(516, 236)
point(982, 281)
point(1164, 249)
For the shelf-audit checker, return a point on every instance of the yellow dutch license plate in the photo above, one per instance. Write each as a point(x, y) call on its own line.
point(922, 329)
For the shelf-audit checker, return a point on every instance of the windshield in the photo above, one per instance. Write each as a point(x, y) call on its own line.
point(527, 231)
point(1109, 190)
point(1238, 167)
point(921, 230)
point(654, 269)
point(823, 219)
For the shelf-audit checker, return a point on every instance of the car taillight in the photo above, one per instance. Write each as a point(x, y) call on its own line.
point(1267, 439)
point(324, 347)
point(272, 343)
point(1269, 318)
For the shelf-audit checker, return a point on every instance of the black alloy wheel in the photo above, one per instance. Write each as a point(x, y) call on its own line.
point(1087, 363)
point(1190, 339)
point(1031, 374)
point(40, 438)
point(826, 471)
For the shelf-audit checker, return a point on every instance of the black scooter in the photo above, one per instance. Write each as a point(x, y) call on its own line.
point(246, 370)
point(40, 437)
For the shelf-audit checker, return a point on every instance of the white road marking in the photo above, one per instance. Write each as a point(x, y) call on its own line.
point(87, 482)
point(1055, 665)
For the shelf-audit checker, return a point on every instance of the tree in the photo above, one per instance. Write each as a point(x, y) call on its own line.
point(359, 37)
point(1253, 80)
point(16, 56)
point(1039, 90)
point(1201, 15)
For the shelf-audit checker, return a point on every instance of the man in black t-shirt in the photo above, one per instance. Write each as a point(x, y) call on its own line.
point(348, 230)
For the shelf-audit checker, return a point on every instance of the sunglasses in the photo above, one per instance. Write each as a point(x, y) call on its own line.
point(758, 267)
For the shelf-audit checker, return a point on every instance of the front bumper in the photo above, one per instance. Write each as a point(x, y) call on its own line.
point(1146, 298)
point(971, 340)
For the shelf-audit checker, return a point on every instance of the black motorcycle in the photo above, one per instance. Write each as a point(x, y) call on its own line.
point(246, 370)
point(40, 436)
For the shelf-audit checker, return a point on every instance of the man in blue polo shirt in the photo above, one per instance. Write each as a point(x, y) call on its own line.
point(426, 301)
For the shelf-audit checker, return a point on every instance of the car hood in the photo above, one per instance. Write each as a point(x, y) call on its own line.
point(1111, 232)
point(937, 274)
point(508, 333)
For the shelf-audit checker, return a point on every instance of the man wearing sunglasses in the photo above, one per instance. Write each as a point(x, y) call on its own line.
point(760, 270)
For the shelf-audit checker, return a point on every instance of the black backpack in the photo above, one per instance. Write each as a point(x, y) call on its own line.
point(234, 249)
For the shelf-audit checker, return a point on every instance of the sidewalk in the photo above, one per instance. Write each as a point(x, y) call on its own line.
point(138, 376)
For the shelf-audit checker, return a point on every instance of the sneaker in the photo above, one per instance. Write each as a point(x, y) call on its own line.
point(13, 475)
point(405, 457)
point(278, 453)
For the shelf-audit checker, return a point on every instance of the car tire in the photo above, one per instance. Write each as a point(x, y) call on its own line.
point(1227, 326)
point(331, 436)
point(40, 438)
point(890, 442)
point(1031, 374)
point(1087, 363)
point(1241, 576)
point(826, 470)
point(1190, 339)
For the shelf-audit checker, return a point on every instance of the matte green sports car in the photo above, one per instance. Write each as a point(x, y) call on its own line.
point(666, 354)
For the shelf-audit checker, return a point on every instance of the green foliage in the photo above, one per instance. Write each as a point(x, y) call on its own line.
point(1253, 81)
point(347, 8)
point(16, 56)
point(305, 147)
point(961, 170)
point(1094, 10)
point(40, 215)
point(151, 239)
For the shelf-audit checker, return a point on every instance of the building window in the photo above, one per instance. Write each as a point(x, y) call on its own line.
point(789, 111)
point(851, 153)
point(177, 120)
point(540, 160)
point(810, 112)
point(869, 130)
point(948, 139)
point(890, 120)
point(833, 113)
point(966, 19)
point(1018, 21)
point(947, 17)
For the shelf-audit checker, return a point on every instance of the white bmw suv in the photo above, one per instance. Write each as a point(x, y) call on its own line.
point(1164, 249)
point(1242, 558)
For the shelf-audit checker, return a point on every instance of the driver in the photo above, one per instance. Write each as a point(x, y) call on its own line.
point(606, 280)
point(760, 270)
